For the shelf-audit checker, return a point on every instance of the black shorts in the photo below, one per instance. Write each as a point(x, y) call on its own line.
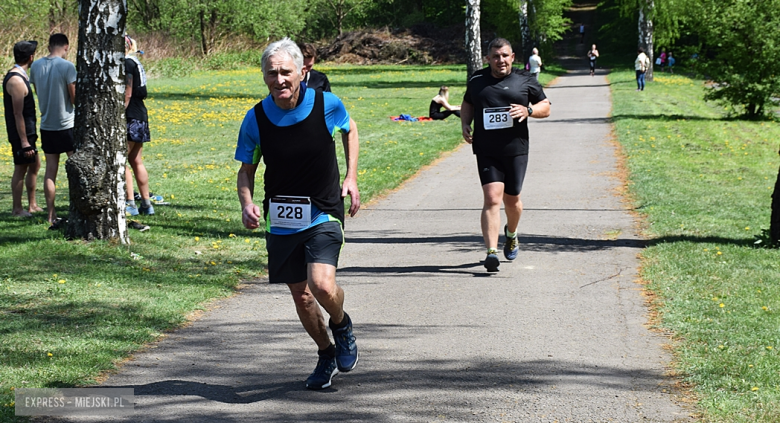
point(289, 255)
point(138, 131)
point(57, 142)
point(16, 146)
point(509, 170)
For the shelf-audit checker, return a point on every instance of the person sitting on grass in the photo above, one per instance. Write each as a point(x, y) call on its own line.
point(441, 101)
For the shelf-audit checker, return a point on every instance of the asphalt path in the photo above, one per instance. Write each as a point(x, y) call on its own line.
point(558, 335)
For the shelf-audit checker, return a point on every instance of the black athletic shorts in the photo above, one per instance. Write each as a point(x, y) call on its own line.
point(509, 170)
point(289, 255)
point(138, 131)
point(56, 142)
point(16, 146)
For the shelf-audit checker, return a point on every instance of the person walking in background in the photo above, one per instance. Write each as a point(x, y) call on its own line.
point(20, 125)
point(54, 80)
point(442, 101)
point(499, 102)
point(593, 54)
point(582, 33)
point(314, 79)
point(291, 131)
point(641, 64)
point(137, 130)
point(662, 60)
point(535, 63)
point(670, 62)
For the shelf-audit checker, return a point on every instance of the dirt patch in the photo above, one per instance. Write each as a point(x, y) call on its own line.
point(420, 44)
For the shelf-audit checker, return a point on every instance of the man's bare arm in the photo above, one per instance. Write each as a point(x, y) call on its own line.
point(351, 152)
point(245, 183)
point(466, 117)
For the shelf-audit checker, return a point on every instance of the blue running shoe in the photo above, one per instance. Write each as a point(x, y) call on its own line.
point(346, 349)
point(511, 247)
point(323, 373)
point(491, 263)
point(131, 211)
point(146, 210)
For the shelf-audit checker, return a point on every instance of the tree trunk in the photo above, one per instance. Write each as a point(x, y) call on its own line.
point(96, 171)
point(774, 222)
point(473, 41)
point(646, 8)
point(525, 30)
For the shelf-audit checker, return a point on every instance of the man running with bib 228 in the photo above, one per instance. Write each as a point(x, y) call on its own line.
point(499, 100)
point(292, 131)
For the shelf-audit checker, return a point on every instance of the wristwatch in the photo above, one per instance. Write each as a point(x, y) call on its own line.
point(530, 111)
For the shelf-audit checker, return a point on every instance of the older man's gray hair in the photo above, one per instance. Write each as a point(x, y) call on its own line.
point(283, 46)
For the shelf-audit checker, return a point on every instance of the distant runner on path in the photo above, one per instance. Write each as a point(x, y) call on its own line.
point(499, 100)
point(292, 131)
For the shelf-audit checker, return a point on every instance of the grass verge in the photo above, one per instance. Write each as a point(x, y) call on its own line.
point(703, 182)
point(71, 310)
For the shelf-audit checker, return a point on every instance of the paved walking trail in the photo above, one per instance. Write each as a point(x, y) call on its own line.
point(558, 335)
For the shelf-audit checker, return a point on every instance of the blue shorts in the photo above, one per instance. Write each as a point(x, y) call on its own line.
point(138, 131)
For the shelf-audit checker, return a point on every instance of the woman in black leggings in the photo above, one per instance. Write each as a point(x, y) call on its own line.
point(441, 101)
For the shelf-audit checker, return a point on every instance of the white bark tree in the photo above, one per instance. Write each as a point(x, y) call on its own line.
point(473, 39)
point(646, 11)
point(96, 171)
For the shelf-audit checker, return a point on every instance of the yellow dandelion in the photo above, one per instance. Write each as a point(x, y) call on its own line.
point(50, 354)
point(721, 305)
point(769, 347)
point(61, 281)
point(246, 240)
point(765, 308)
point(197, 238)
point(755, 388)
point(719, 253)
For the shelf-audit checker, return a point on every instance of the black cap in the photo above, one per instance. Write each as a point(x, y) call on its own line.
point(24, 49)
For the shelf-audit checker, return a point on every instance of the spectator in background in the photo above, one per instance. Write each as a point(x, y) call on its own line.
point(582, 33)
point(54, 80)
point(670, 62)
point(442, 101)
point(535, 63)
point(20, 124)
point(641, 64)
point(313, 79)
point(137, 130)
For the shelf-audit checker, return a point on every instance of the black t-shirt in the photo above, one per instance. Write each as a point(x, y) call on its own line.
point(486, 92)
point(318, 81)
point(136, 109)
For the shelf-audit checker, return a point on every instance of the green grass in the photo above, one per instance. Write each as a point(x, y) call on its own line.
point(71, 310)
point(703, 182)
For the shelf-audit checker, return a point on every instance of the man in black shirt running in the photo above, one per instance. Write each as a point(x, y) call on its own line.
point(499, 100)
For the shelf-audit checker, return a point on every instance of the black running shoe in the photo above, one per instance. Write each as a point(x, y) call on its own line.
point(346, 348)
point(323, 373)
point(491, 263)
point(133, 224)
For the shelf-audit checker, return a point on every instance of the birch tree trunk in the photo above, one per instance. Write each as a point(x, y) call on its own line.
point(646, 8)
point(525, 30)
point(96, 171)
point(473, 40)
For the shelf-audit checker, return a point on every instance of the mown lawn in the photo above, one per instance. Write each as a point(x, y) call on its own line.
point(70, 310)
point(703, 181)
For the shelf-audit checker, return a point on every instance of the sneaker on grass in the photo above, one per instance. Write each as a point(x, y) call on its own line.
point(511, 247)
point(146, 210)
point(346, 348)
point(323, 373)
point(131, 211)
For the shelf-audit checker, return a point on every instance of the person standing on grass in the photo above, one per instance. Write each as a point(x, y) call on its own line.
point(137, 130)
point(593, 54)
point(535, 63)
point(20, 125)
point(314, 79)
point(641, 64)
point(292, 131)
point(670, 62)
point(499, 101)
point(54, 80)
